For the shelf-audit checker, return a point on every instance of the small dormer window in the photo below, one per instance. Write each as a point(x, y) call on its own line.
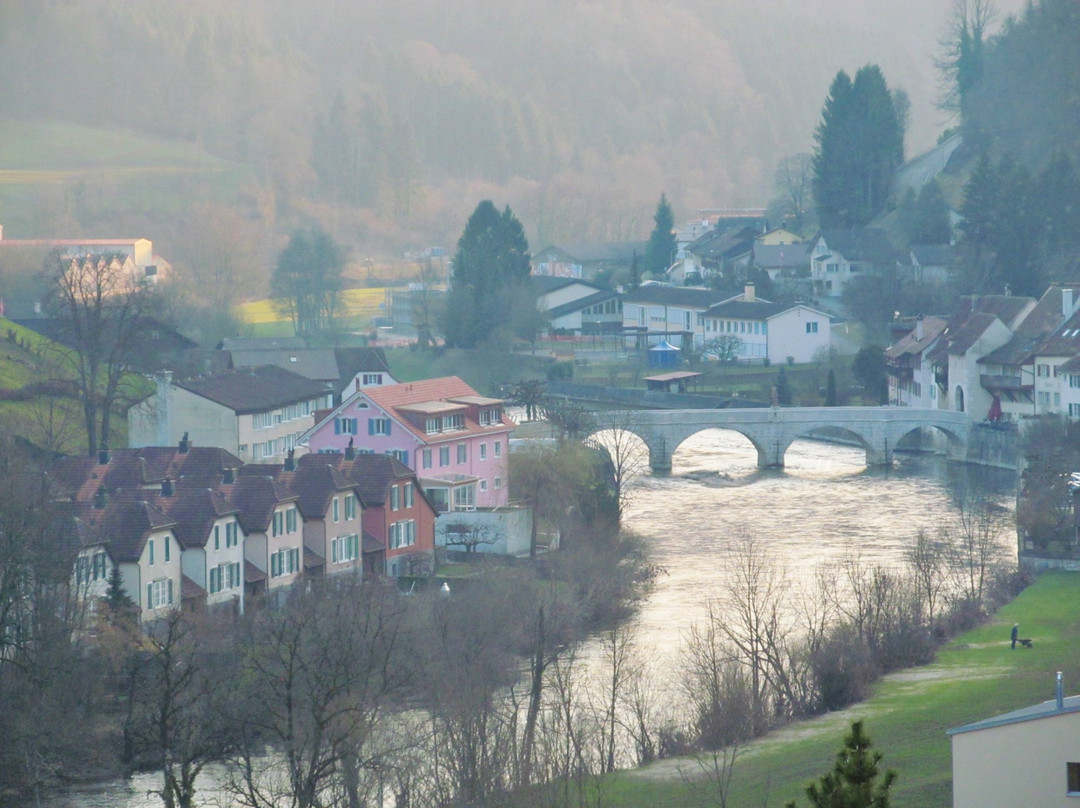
point(293, 359)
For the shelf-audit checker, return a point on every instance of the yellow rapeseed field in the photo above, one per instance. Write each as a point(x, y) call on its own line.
point(358, 308)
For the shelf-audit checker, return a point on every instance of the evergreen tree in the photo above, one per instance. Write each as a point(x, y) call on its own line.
point(635, 274)
point(932, 224)
point(856, 780)
point(660, 251)
point(830, 389)
point(860, 142)
point(783, 389)
point(870, 371)
point(491, 273)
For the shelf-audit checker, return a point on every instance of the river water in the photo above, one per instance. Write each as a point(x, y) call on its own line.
point(823, 507)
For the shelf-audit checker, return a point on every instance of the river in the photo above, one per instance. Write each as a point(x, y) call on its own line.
point(825, 505)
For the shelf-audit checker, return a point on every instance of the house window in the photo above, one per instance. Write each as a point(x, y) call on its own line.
point(231, 534)
point(426, 455)
point(432, 425)
point(285, 561)
point(811, 327)
point(1043, 371)
point(168, 548)
point(278, 523)
point(483, 451)
point(344, 426)
point(408, 491)
point(402, 534)
point(350, 506)
point(462, 453)
point(490, 417)
point(159, 593)
point(372, 378)
point(223, 577)
point(1072, 774)
point(453, 422)
point(378, 426)
point(395, 498)
point(100, 573)
point(498, 449)
point(1074, 410)
point(483, 486)
point(337, 507)
point(290, 520)
point(344, 548)
point(498, 483)
point(444, 455)
point(465, 498)
point(1074, 380)
point(217, 537)
point(151, 546)
point(401, 455)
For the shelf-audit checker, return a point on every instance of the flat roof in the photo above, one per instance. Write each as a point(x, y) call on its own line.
point(673, 376)
point(432, 407)
point(479, 401)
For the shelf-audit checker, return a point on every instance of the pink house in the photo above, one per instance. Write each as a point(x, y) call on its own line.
point(456, 440)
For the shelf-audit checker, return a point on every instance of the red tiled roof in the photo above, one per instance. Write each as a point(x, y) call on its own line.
point(446, 389)
point(315, 481)
point(256, 496)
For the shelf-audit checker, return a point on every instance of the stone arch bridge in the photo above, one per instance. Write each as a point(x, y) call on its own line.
point(773, 430)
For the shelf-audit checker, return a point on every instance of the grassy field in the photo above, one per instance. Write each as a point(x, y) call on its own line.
point(358, 308)
point(975, 677)
point(92, 170)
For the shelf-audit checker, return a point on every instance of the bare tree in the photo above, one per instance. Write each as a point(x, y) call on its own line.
point(716, 686)
point(963, 50)
point(102, 308)
point(975, 538)
point(927, 561)
point(793, 176)
point(620, 437)
point(469, 535)
point(711, 782)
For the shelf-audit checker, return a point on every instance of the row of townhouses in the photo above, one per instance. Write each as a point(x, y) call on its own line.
point(194, 526)
point(1001, 358)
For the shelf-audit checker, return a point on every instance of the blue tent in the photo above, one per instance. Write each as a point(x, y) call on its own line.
point(664, 355)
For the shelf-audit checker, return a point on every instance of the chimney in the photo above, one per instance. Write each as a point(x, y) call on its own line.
point(290, 460)
point(101, 497)
point(228, 476)
point(748, 293)
point(103, 455)
point(1060, 692)
point(184, 445)
point(919, 328)
point(350, 451)
point(1068, 306)
point(166, 487)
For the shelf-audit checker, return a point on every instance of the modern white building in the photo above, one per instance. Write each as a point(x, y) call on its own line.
point(773, 331)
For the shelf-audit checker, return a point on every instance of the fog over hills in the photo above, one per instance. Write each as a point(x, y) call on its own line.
point(578, 113)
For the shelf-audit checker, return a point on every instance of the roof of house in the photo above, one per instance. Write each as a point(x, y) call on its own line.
point(579, 304)
point(783, 256)
point(717, 244)
point(315, 480)
point(753, 309)
point(372, 474)
point(79, 477)
point(125, 523)
point(1046, 709)
point(614, 251)
point(261, 343)
point(449, 389)
point(1063, 341)
point(861, 244)
point(546, 284)
point(194, 509)
point(932, 328)
point(256, 389)
point(675, 296)
point(320, 364)
point(968, 334)
point(932, 255)
point(256, 496)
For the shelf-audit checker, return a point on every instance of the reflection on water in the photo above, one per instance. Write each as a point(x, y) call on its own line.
point(824, 506)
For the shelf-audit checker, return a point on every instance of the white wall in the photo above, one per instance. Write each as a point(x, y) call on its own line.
point(788, 335)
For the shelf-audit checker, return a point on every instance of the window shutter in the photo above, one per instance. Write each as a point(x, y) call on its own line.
point(236, 573)
point(337, 426)
point(295, 553)
point(275, 566)
point(170, 591)
point(353, 423)
point(334, 550)
point(371, 426)
point(149, 596)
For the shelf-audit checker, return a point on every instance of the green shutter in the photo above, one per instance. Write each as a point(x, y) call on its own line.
point(149, 596)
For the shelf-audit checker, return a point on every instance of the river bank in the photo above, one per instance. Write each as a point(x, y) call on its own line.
point(975, 676)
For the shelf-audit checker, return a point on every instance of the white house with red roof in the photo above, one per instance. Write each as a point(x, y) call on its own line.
point(455, 439)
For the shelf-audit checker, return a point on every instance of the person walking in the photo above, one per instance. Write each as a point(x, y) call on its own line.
point(1015, 634)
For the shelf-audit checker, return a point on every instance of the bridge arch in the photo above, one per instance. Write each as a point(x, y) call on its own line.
point(759, 446)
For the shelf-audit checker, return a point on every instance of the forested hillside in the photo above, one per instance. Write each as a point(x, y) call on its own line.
point(577, 113)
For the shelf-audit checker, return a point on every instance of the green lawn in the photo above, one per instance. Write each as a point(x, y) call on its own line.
point(975, 677)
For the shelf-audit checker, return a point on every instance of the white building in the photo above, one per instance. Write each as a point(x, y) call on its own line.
point(775, 331)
